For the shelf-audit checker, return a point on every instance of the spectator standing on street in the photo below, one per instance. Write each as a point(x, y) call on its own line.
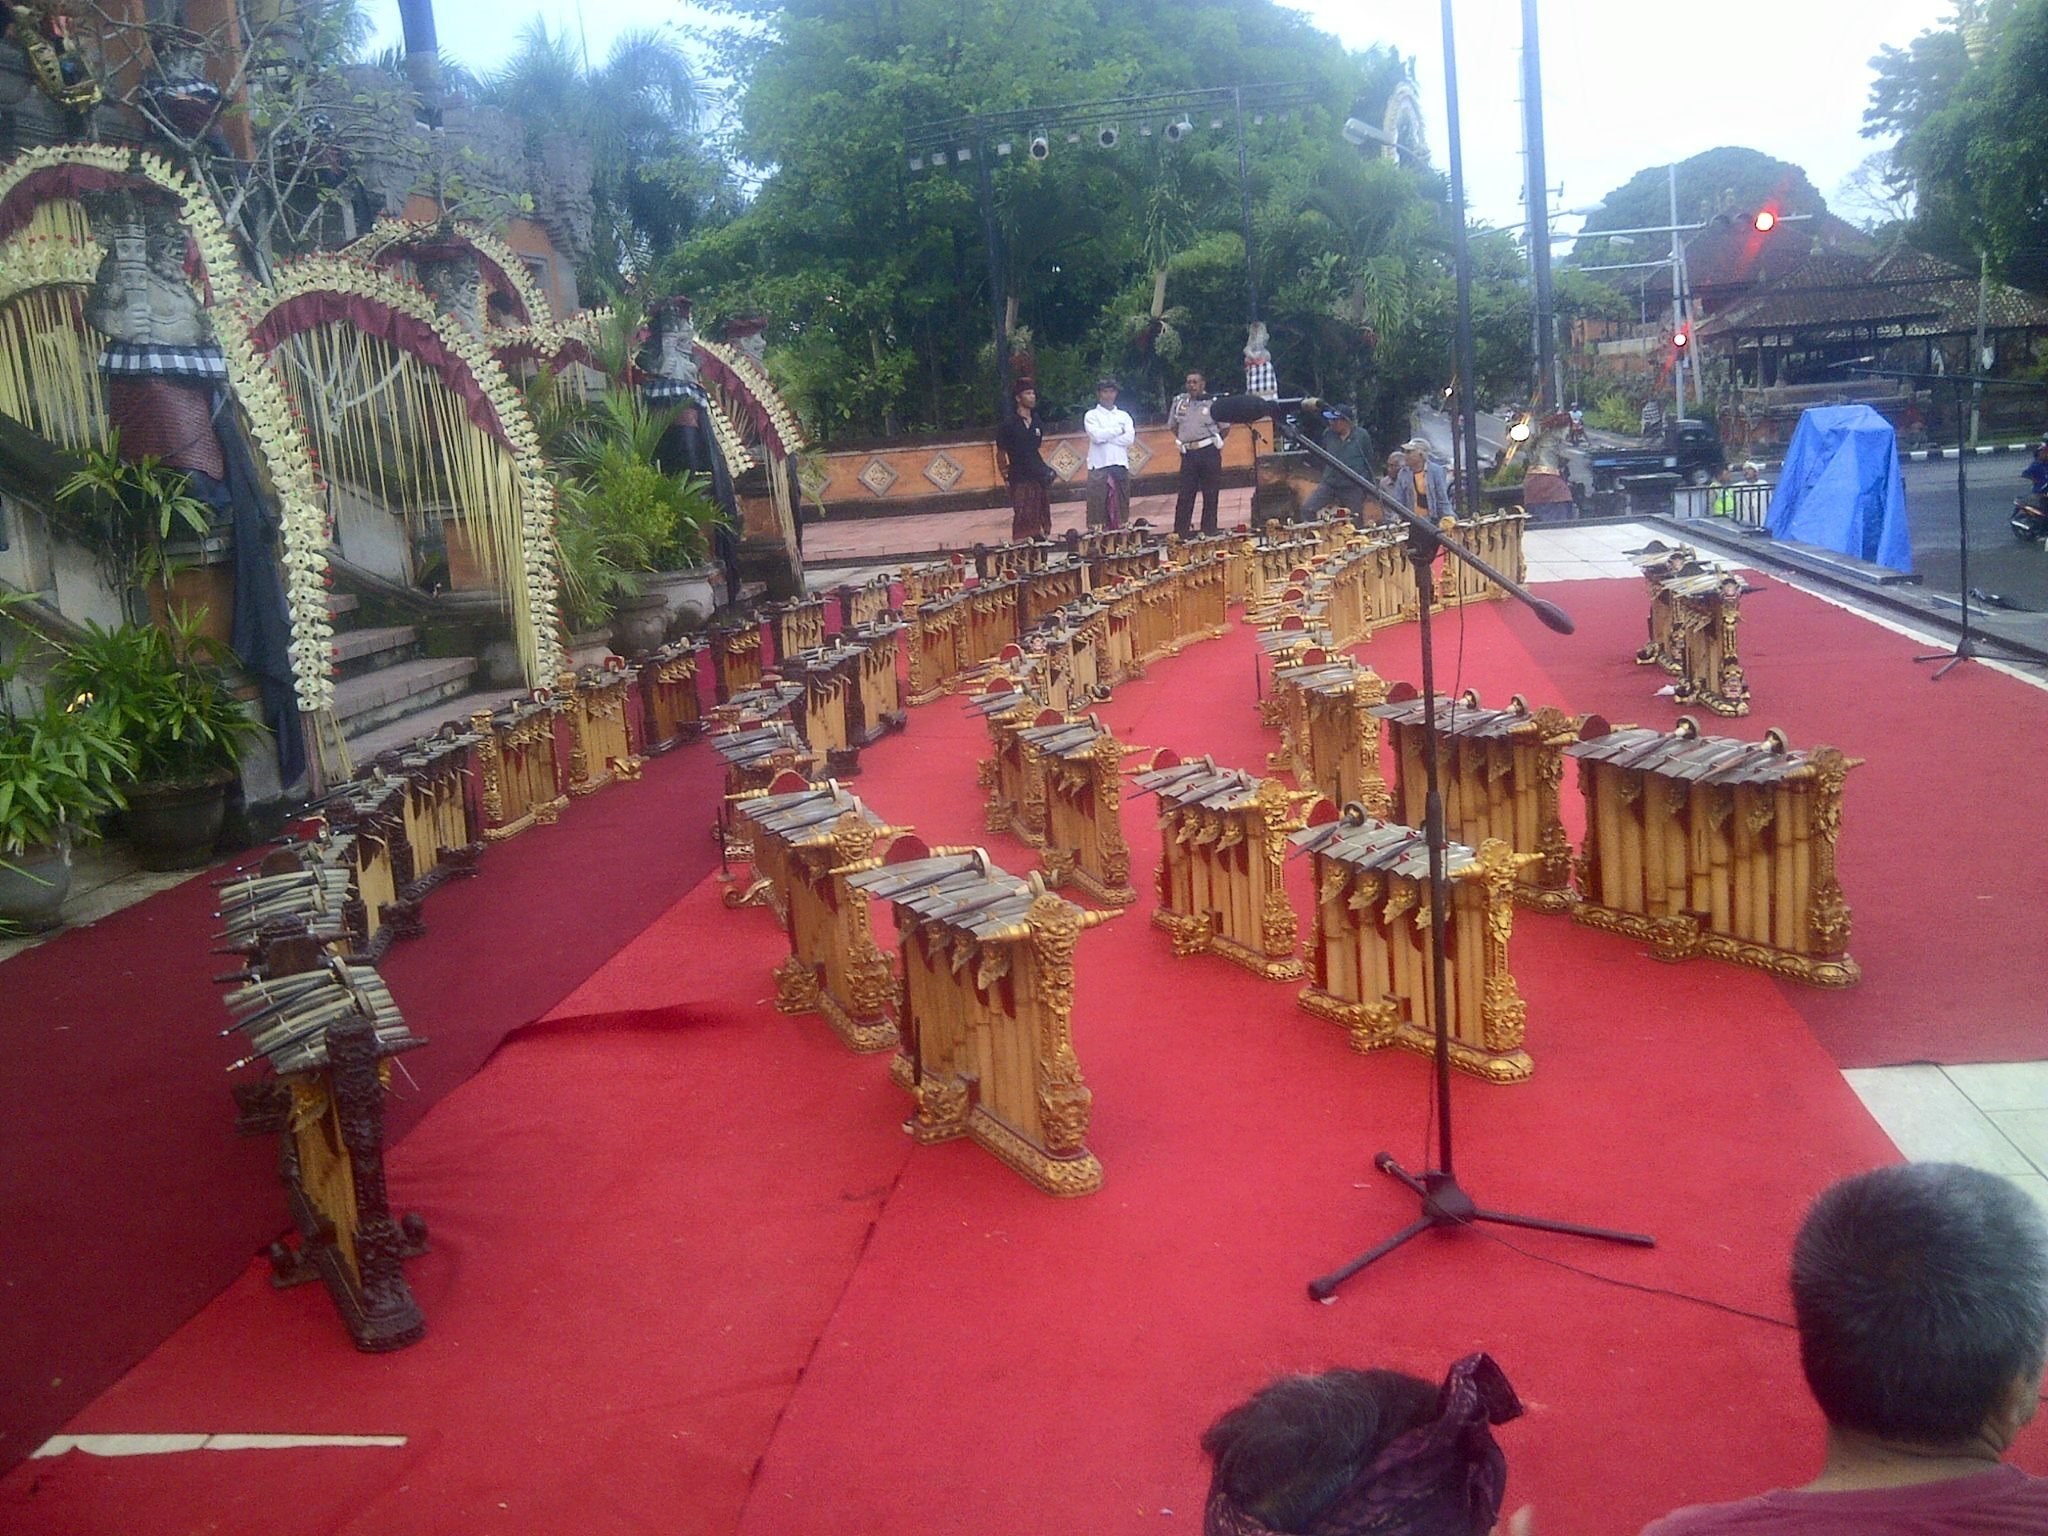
point(1110, 435)
point(1017, 455)
point(1347, 443)
point(1425, 486)
point(1397, 471)
point(1201, 455)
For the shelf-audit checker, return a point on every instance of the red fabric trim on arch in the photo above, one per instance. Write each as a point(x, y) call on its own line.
point(570, 351)
point(58, 183)
point(406, 332)
point(757, 413)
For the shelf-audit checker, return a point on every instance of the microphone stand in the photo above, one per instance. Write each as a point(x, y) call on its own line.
point(1966, 643)
point(1444, 1202)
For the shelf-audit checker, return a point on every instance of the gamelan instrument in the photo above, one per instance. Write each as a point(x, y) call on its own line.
point(1699, 609)
point(672, 712)
point(603, 724)
point(797, 625)
point(1369, 957)
point(521, 777)
point(1703, 845)
point(1011, 773)
point(872, 600)
point(1500, 772)
point(325, 1028)
point(808, 840)
point(937, 642)
point(1330, 729)
point(1080, 767)
point(878, 699)
point(1659, 562)
point(1116, 554)
point(943, 578)
point(1495, 537)
point(755, 757)
point(735, 659)
point(986, 1012)
point(1223, 841)
point(829, 713)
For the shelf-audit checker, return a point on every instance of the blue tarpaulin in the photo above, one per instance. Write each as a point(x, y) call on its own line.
point(1841, 488)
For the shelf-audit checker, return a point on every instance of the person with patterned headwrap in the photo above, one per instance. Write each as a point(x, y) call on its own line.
point(1363, 1453)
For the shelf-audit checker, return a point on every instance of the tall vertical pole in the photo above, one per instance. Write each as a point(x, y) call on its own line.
point(1538, 199)
point(1977, 362)
point(1466, 449)
point(1244, 199)
point(985, 184)
point(1677, 294)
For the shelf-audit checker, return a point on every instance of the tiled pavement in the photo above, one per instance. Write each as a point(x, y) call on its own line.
point(1990, 1116)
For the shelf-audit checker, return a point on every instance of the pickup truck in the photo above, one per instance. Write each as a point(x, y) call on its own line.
point(1691, 451)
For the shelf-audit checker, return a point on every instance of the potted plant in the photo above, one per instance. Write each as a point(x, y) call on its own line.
point(650, 525)
point(163, 692)
point(60, 771)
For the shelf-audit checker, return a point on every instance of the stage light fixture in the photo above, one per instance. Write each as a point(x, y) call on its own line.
point(963, 154)
point(1106, 136)
point(1144, 130)
point(1178, 129)
point(917, 162)
point(1041, 146)
point(1003, 147)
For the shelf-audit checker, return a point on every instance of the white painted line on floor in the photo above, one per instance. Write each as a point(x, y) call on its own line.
point(165, 1445)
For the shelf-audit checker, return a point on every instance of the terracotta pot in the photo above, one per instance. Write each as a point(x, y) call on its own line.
point(33, 888)
point(639, 624)
point(174, 826)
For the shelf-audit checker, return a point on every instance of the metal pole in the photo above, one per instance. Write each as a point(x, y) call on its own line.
point(1977, 362)
point(1677, 295)
point(1539, 212)
point(985, 183)
point(1467, 450)
point(1244, 198)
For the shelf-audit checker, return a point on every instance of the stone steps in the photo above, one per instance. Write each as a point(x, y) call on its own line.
point(357, 651)
point(377, 698)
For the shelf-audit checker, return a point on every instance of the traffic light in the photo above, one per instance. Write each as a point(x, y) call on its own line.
point(1681, 339)
point(1765, 221)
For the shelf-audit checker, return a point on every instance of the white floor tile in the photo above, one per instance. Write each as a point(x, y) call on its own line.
point(1995, 1086)
point(1929, 1119)
point(2026, 1129)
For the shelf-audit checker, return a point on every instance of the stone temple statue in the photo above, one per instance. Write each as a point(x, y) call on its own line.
point(669, 357)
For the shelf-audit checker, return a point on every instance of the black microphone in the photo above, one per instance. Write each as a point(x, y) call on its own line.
point(1235, 410)
point(1553, 617)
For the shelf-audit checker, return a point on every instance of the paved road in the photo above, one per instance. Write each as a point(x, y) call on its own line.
point(1998, 562)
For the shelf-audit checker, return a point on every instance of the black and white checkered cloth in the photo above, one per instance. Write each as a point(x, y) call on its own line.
point(163, 362)
point(1261, 380)
point(670, 391)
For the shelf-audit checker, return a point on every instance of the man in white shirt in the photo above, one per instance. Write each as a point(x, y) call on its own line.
point(1110, 435)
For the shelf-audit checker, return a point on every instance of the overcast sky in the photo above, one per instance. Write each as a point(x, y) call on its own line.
point(1625, 85)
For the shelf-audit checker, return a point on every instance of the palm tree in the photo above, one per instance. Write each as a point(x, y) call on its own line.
point(653, 179)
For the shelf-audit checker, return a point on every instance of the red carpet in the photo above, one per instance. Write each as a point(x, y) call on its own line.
point(689, 1275)
point(128, 1197)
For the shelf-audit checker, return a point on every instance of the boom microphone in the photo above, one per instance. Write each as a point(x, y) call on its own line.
point(1235, 410)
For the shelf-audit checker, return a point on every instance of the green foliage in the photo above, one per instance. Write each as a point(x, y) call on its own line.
point(125, 512)
point(620, 516)
point(1973, 134)
point(1615, 412)
point(60, 771)
point(654, 181)
point(1130, 260)
point(162, 693)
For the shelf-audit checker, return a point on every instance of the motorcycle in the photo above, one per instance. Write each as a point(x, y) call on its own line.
point(1575, 435)
point(2029, 520)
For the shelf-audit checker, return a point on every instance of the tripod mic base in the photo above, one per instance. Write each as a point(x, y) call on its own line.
point(1445, 1204)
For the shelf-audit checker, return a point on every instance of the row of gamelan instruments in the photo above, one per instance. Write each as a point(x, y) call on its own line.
point(1695, 844)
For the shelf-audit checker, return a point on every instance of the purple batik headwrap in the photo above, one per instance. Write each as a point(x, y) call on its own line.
point(1444, 1478)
